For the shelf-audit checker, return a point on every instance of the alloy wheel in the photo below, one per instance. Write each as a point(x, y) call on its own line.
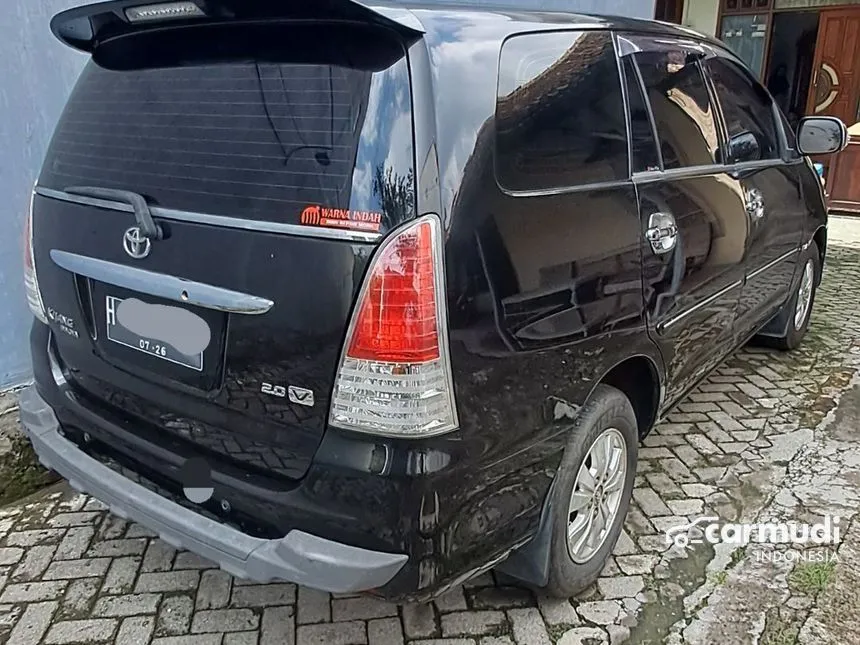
point(597, 494)
point(804, 295)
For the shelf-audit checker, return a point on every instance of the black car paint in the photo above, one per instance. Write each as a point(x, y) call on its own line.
point(459, 502)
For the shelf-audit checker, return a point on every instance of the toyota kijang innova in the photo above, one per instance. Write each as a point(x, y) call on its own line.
point(376, 298)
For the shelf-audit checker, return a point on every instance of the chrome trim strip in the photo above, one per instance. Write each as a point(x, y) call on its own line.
point(567, 190)
point(687, 172)
point(719, 294)
point(771, 264)
point(224, 221)
point(650, 176)
point(161, 285)
point(668, 323)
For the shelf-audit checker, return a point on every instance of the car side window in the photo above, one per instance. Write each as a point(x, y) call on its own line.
point(681, 104)
point(559, 112)
point(643, 147)
point(747, 110)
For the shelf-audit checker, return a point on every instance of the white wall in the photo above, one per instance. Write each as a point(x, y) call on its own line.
point(36, 75)
point(701, 15)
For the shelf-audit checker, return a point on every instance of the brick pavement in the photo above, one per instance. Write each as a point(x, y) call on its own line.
point(72, 573)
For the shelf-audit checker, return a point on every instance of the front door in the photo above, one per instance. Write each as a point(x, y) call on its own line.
point(689, 206)
point(774, 204)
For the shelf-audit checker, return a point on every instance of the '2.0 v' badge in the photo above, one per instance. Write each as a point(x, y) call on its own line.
point(297, 395)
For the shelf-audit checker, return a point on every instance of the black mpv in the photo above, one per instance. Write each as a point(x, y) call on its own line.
point(376, 298)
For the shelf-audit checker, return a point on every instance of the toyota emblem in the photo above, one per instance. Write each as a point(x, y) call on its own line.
point(136, 244)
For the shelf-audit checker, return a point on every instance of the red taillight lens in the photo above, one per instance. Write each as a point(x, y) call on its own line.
point(394, 377)
point(396, 320)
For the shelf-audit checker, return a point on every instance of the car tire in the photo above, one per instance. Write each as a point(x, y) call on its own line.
point(606, 425)
point(802, 298)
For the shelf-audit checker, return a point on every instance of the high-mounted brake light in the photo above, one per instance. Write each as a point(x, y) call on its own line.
point(164, 11)
point(31, 282)
point(394, 377)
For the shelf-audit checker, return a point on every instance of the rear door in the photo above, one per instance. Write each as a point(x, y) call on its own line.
point(694, 271)
point(272, 157)
point(774, 202)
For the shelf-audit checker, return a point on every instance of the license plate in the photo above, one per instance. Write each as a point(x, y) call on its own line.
point(146, 344)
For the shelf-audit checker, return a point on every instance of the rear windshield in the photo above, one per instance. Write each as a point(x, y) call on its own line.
point(229, 124)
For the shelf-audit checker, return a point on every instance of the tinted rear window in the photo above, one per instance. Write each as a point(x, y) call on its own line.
point(247, 132)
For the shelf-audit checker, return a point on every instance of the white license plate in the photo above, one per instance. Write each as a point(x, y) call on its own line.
point(152, 346)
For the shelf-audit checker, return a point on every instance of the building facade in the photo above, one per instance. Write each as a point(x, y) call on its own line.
point(807, 53)
point(802, 49)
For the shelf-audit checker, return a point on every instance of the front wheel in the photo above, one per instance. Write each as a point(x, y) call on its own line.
point(592, 491)
point(800, 305)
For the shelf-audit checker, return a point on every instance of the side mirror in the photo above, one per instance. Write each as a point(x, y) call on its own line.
point(744, 147)
point(821, 135)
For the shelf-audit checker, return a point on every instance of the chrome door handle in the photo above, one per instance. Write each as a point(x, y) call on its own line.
point(662, 232)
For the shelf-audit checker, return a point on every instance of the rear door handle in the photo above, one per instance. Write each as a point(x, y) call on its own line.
point(662, 233)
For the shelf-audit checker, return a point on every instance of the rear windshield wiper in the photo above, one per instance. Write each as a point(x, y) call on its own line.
point(147, 225)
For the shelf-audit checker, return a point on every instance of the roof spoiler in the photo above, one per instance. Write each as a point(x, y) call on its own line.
point(84, 28)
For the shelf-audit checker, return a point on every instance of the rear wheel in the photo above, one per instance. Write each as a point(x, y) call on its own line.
point(800, 305)
point(592, 491)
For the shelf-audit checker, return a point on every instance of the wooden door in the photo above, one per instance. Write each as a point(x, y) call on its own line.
point(669, 11)
point(835, 89)
point(843, 180)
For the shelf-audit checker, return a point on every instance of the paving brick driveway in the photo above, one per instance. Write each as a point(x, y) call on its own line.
point(71, 573)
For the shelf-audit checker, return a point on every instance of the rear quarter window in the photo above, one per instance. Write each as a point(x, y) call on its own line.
point(559, 112)
point(270, 123)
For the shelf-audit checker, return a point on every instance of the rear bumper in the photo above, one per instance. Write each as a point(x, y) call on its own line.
point(298, 557)
point(434, 512)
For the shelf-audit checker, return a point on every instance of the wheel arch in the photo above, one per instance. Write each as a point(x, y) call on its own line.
point(820, 239)
point(629, 375)
point(530, 563)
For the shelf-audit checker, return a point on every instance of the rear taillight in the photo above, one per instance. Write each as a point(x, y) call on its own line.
point(394, 377)
point(31, 282)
